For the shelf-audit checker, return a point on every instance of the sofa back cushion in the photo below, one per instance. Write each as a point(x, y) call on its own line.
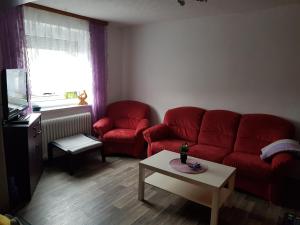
point(127, 114)
point(219, 128)
point(258, 130)
point(184, 122)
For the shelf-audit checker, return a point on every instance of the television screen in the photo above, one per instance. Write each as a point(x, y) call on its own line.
point(14, 93)
point(16, 89)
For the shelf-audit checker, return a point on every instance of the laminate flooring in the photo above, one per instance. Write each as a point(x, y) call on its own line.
point(106, 193)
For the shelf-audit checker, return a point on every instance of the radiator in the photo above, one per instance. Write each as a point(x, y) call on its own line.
point(60, 127)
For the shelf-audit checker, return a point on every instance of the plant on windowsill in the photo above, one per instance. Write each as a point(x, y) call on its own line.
point(183, 150)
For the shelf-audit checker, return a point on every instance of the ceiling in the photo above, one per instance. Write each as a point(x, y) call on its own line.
point(132, 12)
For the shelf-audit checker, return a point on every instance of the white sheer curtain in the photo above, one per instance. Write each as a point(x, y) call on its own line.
point(58, 52)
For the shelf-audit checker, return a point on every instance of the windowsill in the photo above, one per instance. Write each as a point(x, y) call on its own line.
point(64, 107)
point(56, 103)
point(46, 102)
point(61, 111)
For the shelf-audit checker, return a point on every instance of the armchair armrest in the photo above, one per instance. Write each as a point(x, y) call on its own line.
point(156, 132)
point(280, 161)
point(102, 126)
point(142, 125)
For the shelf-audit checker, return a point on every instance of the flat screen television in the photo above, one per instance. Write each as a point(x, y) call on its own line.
point(14, 93)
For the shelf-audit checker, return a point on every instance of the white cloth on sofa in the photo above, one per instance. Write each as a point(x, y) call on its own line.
point(282, 145)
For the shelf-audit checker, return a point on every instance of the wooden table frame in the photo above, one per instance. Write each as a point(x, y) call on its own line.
point(201, 193)
point(71, 155)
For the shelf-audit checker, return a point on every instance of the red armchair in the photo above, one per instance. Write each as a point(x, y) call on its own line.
point(121, 130)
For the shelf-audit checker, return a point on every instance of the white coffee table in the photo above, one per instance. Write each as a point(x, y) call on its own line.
point(210, 188)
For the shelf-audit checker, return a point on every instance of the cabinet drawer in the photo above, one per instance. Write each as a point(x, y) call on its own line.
point(35, 129)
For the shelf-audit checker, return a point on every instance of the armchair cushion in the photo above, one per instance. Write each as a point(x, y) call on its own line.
point(142, 125)
point(120, 136)
point(126, 123)
point(127, 114)
point(102, 126)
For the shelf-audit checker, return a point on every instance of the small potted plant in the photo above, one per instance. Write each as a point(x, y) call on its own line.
point(183, 152)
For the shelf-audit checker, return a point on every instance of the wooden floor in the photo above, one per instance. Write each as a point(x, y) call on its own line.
point(106, 193)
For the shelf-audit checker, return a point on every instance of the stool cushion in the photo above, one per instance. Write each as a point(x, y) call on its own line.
point(77, 143)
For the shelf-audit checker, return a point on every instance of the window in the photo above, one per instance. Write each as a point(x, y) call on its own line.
point(58, 56)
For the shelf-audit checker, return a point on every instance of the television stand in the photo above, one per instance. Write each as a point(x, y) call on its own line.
point(23, 154)
point(24, 117)
point(21, 120)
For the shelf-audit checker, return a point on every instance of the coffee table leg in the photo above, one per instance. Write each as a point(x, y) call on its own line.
point(141, 183)
point(231, 183)
point(215, 207)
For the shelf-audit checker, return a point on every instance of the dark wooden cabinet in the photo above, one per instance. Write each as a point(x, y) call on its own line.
point(23, 153)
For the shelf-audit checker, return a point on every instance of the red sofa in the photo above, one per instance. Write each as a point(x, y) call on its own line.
point(230, 138)
point(121, 130)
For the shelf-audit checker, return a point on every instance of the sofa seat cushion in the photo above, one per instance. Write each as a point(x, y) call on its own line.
point(168, 144)
point(208, 152)
point(120, 136)
point(249, 165)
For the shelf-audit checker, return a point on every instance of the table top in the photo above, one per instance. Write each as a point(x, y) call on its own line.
point(215, 176)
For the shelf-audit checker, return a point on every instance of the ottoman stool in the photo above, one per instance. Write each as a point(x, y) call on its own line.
point(74, 145)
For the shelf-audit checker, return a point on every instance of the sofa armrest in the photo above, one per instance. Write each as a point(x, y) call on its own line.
point(280, 161)
point(102, 126)
point(142, 125)
point(156, 132)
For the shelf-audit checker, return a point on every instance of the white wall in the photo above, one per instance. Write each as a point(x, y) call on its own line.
point(248, 63)
point(114, 62)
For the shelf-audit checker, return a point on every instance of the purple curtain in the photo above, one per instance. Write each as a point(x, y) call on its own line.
point(13, 54)
point(98, 53)
point(12, 39)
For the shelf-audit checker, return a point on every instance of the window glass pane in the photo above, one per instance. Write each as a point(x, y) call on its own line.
point(58, 56)
point(58, 72)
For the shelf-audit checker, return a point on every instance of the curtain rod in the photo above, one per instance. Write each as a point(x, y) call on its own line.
point(33, 5)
